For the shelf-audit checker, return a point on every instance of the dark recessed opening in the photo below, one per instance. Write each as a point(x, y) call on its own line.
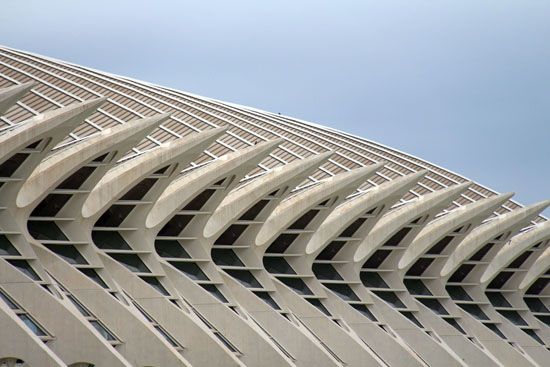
point(317, 304)
point(411, 317)
point(225, 257)
point(264, 296)
point(343, 290)
point(534, 335)
point(277, 265)
point(101, 158)
point(161, 171)
point(132, 262)
point(254, 210)
point(519, 260)
point(461, 273)
point(93, 275)
point(474, 310)
point(376, 259)
point(513, 316)
point(190, 269)
point(458, 293)
point(297, 285)
point(281, 243)
point(420, 266)
point(538, 286)
point(69, 253)
point(200, 200)
point(155, 283)
point(478, 256)
point(245, 277)
point(417, 287)
point(455, 324)
point(501, 279)
point(6, 247)
point(50, 205)
point(325, 271)
point(440, 245)
point(114, 216)
point(536, 305)
point(170, 248)
point(33, 145)
point(391, 298)
point(24, 267)
point(140, 190)
point(304, 220)
point(109, 240)
point(331, 250)
point(175, 225)
point(497, 299)
point(213, 290)
point(396, 239)
point(495, 330)
point(434, 305)
point(11, 165)
point(373, 280)
point(231, 234)
point(323, 203)
point(42, 230)
point(353, 227)
point(75, 181)
point(364, 311)
point(543, 318)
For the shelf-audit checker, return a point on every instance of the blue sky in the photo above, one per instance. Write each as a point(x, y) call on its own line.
point(463, 84)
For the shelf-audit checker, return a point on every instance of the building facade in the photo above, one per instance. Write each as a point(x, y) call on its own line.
point(144, 226)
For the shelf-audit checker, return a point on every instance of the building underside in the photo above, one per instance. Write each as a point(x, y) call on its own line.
point(144, 226)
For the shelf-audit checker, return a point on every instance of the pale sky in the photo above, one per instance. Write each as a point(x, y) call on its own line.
point(462, 84)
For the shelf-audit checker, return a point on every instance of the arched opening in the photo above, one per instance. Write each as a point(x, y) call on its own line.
point(12, 362)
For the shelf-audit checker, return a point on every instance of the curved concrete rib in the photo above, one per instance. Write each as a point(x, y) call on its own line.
point(482, 235)
point(55, 125)
point(518, 244)
point(344, 343)
point(185, 188)
point(274, 187)
point(386, 194)
point(180, 152)
point(539, 268)
point(33, 140)
point(290, 209)
point(64, 162)
point(201, 347)
point(393, 221)
point(242, 198)
point(54, 169)
point(121, 178)
point(218, 177)
point(9, 96)
point(142, 346)
point(195, 289)
point(466, 266)
point(438, 228)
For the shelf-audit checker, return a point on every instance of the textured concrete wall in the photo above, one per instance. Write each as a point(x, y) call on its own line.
point(146, 227)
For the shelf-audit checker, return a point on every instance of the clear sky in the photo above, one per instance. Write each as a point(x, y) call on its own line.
point(463, 84)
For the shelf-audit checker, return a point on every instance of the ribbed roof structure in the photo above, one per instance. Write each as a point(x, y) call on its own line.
point(144, 226)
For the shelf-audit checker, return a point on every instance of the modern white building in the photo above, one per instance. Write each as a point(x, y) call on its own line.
point(144, 226)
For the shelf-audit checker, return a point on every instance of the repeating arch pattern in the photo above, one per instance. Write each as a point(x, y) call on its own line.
point(160, 228)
